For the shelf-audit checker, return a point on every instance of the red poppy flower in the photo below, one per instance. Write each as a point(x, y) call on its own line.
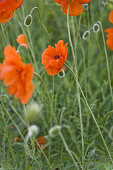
point(7, 9)
point(76, 7)
point(41, 141)
point(16, 75)
point(111, 17)
point(21, 39)
point(109, 40)
point(54, 58)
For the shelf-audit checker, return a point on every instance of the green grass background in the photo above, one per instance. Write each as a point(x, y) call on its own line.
point(92, 76)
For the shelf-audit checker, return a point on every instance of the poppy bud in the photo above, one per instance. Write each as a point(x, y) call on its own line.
point(33, 130)
point(54, 131)
point(28, 20)
point(32, 112)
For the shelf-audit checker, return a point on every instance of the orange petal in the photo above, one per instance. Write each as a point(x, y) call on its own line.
point(6, 12)
point(7, 8)
point(11, 77)
point(1, 71)
point(24, 98)
point(54, 67)
point(22, 40)
point(62, 49)
point(111, 16)
point(109, 42)
point(11, 53)
point(58, 1)
point(75, 7)
point(15, 3)
point(83, 1)
point(48, 55)
point(12, 89)
point(109, 30)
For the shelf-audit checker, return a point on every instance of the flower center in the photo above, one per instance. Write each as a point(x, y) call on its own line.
point(57, 57)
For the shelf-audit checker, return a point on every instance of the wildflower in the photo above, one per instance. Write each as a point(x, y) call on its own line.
point(41, 141)
point(7, 9)
point(111, 17)
point(21, 39)
point(109, 40)
point(16, 75)
point(76, 7)
point(54, 58)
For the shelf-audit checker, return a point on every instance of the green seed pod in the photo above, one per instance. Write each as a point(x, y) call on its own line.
point(32, 112)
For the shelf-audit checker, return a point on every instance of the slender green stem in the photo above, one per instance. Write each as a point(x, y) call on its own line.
point(14, 109)
point(39, 77)
point(107, 62)
point(53, 103)
point(68, 150)
point(92, 116)
point(6, 30)
point(77, 86)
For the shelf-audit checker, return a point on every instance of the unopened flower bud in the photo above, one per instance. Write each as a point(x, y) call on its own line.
point(33, 130)
point(32, 112)
point(54, 131)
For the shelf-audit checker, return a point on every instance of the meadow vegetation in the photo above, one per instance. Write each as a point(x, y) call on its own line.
point(80, 103)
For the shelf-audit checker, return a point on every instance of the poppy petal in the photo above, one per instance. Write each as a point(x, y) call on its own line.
point(17, 75)
point(109, 30)
point(22, 40)
point(11, 53)
point(15, 3)
point(111, 17)
point(54, 67)
point(6, 13)
point(58, 1)
point(83, 1)
point(109, 42)
point(62, 49)
point(11, 77)
point(75, 7)
point(48, 55)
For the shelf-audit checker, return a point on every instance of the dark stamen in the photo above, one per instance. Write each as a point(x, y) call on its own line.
point(57, 57)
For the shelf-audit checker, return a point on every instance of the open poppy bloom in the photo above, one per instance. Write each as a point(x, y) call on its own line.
point(7, 9)
point(109, 40)
point(111, 17)
point(54, 58)
point(76, 7)
point(21, 39)
point(16, 75)
point(41, 141)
